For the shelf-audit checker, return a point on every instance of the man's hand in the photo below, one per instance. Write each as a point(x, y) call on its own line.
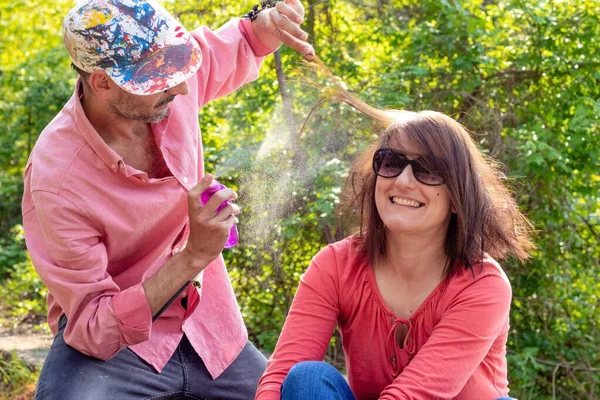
point(208, 233)
point(281, 24)
point(209, 230)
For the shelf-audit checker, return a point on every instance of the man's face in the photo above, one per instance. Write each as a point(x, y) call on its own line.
point(153, 108)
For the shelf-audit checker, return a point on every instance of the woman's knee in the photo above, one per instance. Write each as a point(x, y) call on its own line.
point(313, 379)
point(309, 370)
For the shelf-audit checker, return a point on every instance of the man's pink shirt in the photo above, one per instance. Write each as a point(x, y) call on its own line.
point(96, 228)
point(456, 342)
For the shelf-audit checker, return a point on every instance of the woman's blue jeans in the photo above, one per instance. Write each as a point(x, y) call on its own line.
point(315, 380)
point(319, 380)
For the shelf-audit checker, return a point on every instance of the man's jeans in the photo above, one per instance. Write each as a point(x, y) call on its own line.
point(68, 374)
point(319, 380)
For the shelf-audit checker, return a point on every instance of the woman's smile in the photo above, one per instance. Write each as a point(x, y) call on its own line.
point(406, 202)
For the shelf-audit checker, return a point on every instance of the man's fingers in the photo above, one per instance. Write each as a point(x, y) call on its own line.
point(278, 26)
point(194, 202)
point(231, 210)
point(296, 5)
point(211, 206)
point(284, 24)
point(289, 12)
point(225, 195)
point(300, 46)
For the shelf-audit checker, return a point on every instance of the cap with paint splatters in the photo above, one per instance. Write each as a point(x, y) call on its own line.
point(142, 47)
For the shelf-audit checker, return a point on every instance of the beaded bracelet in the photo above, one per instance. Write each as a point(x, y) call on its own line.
point(263, 6)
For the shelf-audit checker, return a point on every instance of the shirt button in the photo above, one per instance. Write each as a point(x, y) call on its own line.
point(184, 179)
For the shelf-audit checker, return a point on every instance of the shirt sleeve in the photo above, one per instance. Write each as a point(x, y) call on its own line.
point(308, 327)
point(458, 344)
point(231, 57)
point(69, 255)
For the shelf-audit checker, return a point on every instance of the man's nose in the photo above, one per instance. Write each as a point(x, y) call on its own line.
point(182, 89)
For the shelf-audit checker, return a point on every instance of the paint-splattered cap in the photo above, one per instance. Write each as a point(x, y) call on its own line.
point(142, 47)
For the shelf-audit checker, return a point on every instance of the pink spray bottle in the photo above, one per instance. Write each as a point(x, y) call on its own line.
point(205, 196)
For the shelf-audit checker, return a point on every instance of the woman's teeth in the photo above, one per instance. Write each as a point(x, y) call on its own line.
point(405, 202)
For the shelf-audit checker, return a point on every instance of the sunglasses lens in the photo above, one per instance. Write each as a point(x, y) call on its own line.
point(425, 173)
point(388, 164)
point(429, 178)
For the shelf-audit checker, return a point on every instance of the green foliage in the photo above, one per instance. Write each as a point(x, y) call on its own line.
point(24, 294)
point(523, 76)
point(35, 82)
point(17, 376)
point(528, 370)
point(22, 291)
point(12, 251)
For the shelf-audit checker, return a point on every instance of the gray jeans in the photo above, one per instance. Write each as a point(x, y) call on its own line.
point(68, 374)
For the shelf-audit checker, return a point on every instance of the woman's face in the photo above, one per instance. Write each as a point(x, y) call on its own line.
point(406, 205)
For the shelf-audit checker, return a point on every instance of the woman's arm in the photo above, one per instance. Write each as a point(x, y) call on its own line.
point(309, 325)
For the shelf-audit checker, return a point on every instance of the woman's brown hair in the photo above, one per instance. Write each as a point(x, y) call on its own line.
point(486, 219)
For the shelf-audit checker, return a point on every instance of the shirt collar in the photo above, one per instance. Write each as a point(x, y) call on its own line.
point(91, 136)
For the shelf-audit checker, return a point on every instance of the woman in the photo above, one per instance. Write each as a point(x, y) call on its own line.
point(420, 302)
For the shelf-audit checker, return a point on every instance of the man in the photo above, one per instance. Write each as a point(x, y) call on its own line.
point(111, 209)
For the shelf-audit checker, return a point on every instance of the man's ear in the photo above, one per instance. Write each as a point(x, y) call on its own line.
point(102, 86)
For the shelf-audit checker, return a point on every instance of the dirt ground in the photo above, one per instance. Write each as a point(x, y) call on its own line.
point(32, 346)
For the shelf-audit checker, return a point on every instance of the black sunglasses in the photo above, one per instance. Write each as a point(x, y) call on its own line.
point(388, 163)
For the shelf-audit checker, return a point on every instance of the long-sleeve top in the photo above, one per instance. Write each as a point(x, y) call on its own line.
point(97, 228)
point(456, 342)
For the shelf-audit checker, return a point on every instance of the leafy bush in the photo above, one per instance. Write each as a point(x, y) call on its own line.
point(18, 378)
point(12, 251)
point(23, 293)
